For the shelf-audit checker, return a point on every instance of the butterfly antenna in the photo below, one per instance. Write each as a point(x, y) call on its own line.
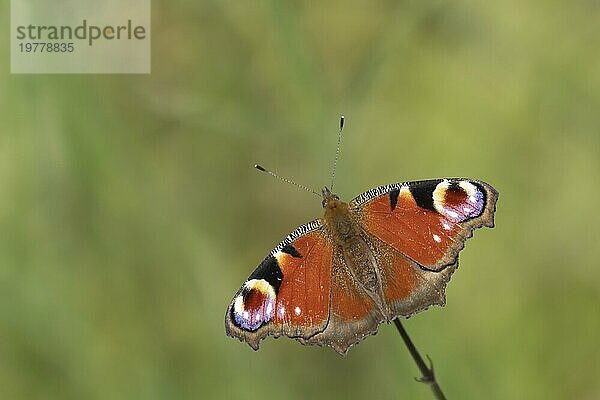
point(337, 151)
point(262, 169)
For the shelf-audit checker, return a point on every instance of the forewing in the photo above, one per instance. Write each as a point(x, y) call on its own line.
point(427, 221)
point(289, 293)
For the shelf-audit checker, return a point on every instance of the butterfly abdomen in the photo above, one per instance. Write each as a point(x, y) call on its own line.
point(361, 264)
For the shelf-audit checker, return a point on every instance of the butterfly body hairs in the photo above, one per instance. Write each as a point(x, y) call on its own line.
point(387, 253)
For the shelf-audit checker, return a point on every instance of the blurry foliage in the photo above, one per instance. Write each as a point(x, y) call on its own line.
point(130, 214)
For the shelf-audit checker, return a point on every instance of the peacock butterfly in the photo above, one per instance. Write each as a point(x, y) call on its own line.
point(387, 253)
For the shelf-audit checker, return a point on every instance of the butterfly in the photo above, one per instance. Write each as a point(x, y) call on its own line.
point(387, 253)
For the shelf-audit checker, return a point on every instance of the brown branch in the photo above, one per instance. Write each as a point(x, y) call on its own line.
point(427, 372)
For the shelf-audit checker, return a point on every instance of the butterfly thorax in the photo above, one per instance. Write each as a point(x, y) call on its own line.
point(337, 218)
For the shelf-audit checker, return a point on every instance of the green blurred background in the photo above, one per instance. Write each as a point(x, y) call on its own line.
point(130, 213)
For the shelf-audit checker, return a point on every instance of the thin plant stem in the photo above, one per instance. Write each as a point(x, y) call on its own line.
point(427, 372)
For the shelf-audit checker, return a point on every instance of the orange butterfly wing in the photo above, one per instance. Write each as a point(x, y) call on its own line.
point(304, 291)
point(417, 230)
point(353, 313)
point(289, 293)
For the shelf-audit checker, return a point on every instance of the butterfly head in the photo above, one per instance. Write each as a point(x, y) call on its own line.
point(330, 200)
